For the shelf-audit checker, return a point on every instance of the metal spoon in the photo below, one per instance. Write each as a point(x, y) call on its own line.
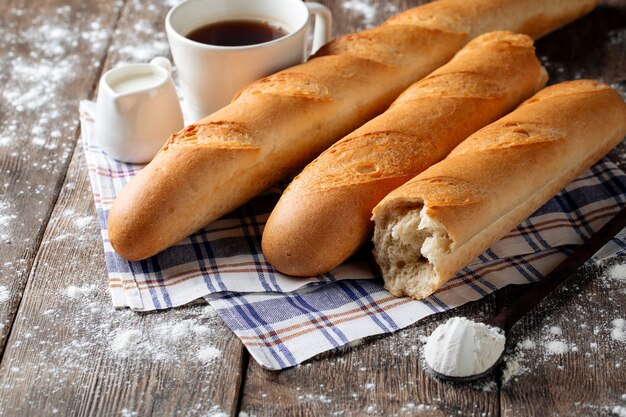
point(538, 291)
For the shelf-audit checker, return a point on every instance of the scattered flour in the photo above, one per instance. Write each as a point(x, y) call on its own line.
point(556, 330)
point(143, 43)
point(51, 40)
point(619, 411)
point(513, 367)
point(79, 292)
point(129, 413)
point(4, 294)
point(83, 221)
point(166, 340)
point(63, 341)
point(411, 407)
point(550, 344)
point(370, 11)
point(366, 9)
point(315, 397)
point(617, 37)
point(215, 411)
point(618, 332)
point(616, 272)
point(527, 344)
point(125, 341)
point(208, 354)
point(556, 347)
point(553, 342)
point(40, 72)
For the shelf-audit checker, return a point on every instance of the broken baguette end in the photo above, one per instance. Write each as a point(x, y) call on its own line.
point(409, 246)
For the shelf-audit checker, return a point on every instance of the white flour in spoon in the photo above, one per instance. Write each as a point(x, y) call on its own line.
point(461, 347)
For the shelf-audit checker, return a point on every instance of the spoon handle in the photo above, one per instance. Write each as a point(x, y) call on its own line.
point(533, 296)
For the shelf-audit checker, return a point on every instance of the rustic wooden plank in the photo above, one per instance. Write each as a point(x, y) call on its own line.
point(50, 55)
point(69, 353)
point(384, 375)
point(567, 359)
point(588, 377)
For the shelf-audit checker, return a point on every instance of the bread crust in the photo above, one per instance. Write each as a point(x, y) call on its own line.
point(283, 121)
point(532, 17)
point(504, 172)
point(324, 215)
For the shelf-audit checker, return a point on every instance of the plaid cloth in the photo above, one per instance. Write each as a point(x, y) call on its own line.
point(284, 321)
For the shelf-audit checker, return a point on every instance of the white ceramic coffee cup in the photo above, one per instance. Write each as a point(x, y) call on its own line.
point(137, 110)
point(211, 75)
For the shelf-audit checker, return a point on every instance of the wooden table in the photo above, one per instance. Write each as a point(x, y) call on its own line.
point(57, 328)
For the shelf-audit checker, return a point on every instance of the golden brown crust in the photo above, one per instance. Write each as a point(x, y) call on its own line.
point(534, 18)
point(324, 215)
point(289, 118)
point(505, 171)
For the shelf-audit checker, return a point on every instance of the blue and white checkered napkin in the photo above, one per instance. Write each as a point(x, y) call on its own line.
point(284, 321)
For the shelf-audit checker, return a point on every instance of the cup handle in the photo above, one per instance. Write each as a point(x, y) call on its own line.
point(323, 24)
point(162, 62)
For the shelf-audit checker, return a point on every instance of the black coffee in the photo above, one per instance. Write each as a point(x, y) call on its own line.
point(236, 33)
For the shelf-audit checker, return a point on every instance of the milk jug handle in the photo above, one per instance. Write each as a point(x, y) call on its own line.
point(162, 62)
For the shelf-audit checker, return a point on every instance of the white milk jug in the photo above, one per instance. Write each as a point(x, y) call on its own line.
point(137, 110)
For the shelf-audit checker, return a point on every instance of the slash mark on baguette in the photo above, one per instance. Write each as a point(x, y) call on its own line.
point(450, 191)
point(356, 153)
point(289, 84)
point(568, 88)
point(220, 134)
point(461, 84)
point(368, 45)
point(510, 135)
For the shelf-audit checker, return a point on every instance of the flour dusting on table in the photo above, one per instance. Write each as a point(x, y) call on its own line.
point(79, 292)
point(616, 272)
point(4, 294)
point(39, 80)
point(619, 411)
point(147, 39)
point(93, 329)
point(215, 411)
point(618, 332)
point(129, 413)
point(370, 12)
point(7, 216)
point(167, 340)
point(556, 338)
point(209, 354)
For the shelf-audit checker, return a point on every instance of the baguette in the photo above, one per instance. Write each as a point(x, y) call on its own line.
point(283, 121)
point(435, 224)
point(324, 215)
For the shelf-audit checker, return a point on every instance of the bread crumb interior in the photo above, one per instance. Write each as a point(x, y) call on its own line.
point(407, 247)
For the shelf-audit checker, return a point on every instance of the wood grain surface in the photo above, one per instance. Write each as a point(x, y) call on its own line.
point(65, 350)
point(66, 354)
point(38, 124)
